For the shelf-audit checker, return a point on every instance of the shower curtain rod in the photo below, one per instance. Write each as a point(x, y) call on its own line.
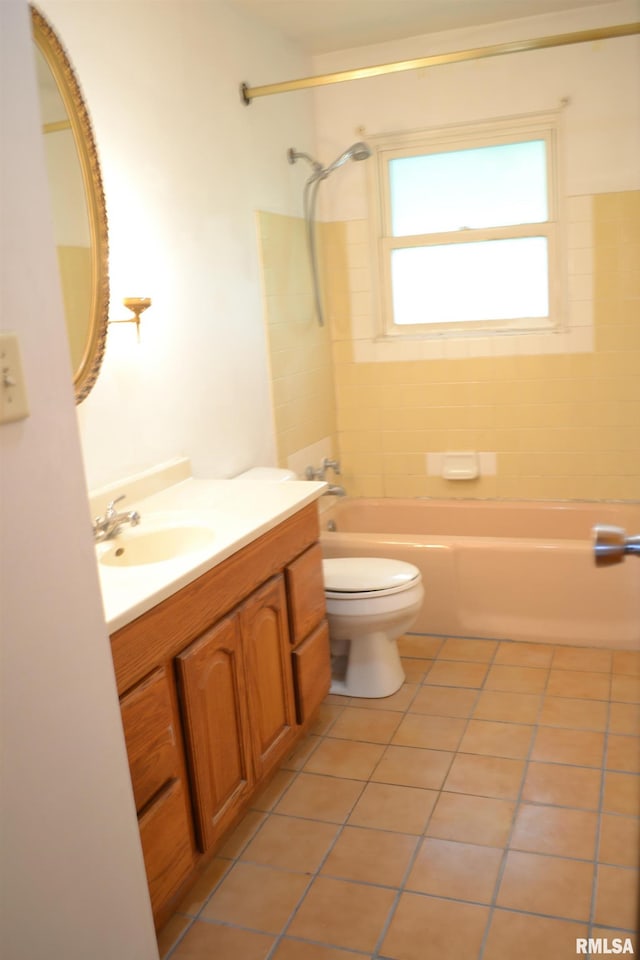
point(478, 53)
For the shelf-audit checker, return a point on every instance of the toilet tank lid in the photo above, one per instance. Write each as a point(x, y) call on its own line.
point(364, 574)
point(267, 474)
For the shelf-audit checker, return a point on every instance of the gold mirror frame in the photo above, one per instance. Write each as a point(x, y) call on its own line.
point(84, 377)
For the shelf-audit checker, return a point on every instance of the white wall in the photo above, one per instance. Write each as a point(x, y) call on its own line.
point(185, 167)
point(72, 876)
point(601, 81)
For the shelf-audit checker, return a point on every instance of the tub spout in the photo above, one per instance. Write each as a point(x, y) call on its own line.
point(335, 490)
point(610, 544)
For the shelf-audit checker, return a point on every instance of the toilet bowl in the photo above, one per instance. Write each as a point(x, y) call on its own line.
point(371, 602)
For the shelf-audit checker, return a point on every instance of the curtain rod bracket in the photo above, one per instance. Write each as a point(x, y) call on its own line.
point(244, 93)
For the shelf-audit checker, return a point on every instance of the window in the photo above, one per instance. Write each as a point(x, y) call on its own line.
point(466, 229)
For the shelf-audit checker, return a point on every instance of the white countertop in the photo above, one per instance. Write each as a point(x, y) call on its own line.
point(238, 512)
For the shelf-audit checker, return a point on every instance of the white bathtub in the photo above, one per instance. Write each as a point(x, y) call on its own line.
point(502, 569)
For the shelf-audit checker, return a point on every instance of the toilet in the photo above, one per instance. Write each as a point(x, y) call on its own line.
point(371, 601)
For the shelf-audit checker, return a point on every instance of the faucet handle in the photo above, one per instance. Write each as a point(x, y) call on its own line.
point(111, 506)
point(328, 464)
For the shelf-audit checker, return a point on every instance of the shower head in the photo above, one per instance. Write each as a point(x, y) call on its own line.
point(357, 151)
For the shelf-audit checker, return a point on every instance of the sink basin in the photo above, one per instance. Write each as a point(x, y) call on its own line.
point(138, 546)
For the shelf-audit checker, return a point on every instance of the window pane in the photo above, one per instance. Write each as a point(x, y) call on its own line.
point(492, 280)
point(484, 187)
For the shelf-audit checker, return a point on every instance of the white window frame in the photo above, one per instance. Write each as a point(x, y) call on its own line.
point(541, 126)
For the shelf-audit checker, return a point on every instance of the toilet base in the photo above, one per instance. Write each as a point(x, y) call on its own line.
point(373, 668)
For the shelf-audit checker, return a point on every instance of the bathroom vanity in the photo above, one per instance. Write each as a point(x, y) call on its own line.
point(217, 681)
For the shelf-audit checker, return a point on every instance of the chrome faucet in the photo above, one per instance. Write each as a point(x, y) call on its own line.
point(320, 473)
point(108, 527)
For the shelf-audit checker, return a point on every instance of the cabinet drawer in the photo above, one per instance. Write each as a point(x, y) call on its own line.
point(312, 672)
point(148, 729)
point(305, 591)
point(166, 843)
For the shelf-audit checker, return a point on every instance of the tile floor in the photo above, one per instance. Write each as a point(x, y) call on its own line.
point(489, 810)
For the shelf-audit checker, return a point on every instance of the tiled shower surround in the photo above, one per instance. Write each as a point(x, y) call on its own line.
point(562, 424)
point(489, 810)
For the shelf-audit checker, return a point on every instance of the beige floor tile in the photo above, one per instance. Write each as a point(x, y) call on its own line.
point(623, 753)
point(240, 837)
point(370, 856)
point(207, 881)
point(291, 843)
point(517, 679)
point(517, 936)
point(621, 793)
point(625, 689)
point(497, 739)
point(444, 701)
point(485, 776)
point(430, 926)
point(435, 733)
point(400, 700)
point(256, 897)
point(624, 718)
point(579, 683)
point(627, 662)
point(617, 890)
point(619, 840)
point(524, 654)
point(344, 758)
point(168, 935)
point(509, 707)
point(456, 673)
point(479, 651)
point(549, 885)
point(301, 753)
point(482, 820)
point(565, 786)
point(557, 745)
point(414, 645)
point(267, 798)
point(290, 949)
point(415, 670)
point(555, 830)
point(388, 807)
point(325, 717)
point(582, 658)
point(205, 940)
point(373, 726)
point(574, 713)
point(462, 871)
point(322, 798)
point(413, 767)
point(343, 914)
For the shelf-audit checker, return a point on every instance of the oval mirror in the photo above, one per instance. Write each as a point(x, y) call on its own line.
point(78, 206)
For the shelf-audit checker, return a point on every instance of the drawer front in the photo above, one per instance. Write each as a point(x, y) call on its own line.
point(305, 591)
point(166, 843)
point(147, 719)
point(312, 672)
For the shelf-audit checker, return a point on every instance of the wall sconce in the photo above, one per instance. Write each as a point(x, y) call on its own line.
point(137, 305)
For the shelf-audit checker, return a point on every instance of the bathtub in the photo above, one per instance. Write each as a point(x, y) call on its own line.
point(503, 569)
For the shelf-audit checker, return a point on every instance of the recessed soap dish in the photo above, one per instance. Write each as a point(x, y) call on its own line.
point(460, 466)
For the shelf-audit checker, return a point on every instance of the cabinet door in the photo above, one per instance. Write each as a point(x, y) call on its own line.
point(270, 685)
point(211, 674)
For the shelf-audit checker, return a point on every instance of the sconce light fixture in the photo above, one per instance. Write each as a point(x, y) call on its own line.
point(137, 305)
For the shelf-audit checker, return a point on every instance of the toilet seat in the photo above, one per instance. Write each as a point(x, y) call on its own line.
point(358, 578)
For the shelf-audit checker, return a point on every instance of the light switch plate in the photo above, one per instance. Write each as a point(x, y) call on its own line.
point(13, 394)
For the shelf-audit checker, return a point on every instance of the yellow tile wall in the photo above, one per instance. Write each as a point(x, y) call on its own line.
point(300, 355)
point(561, 425)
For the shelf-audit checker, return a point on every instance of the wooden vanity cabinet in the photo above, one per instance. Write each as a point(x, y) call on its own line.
point(216, 685)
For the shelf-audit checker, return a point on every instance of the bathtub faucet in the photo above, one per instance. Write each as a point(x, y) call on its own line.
point(320, 473)
point(334, 490)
